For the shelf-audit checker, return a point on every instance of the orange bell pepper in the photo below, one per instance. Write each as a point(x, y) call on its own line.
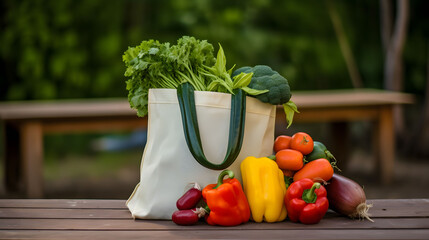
point(227, 202)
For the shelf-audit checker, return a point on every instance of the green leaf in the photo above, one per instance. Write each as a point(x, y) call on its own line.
point(224, 84)
point(130, 54)
point(290, 109)
point(212, 86)
point(254, 92)
point(142, 65)
point(153, 51)
point(220, 61)
point(230, 70)
point(242, 80)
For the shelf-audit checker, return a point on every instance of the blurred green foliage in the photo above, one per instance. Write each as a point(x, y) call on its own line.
point(62, 49)
point(73, 48)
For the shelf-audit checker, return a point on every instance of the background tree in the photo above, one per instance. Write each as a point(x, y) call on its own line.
point(344, 46)
point(393, 46)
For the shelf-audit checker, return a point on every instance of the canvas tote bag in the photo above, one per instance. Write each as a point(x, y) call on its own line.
point(167, 164)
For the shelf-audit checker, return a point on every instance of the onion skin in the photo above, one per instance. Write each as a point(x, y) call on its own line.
point(347, 197)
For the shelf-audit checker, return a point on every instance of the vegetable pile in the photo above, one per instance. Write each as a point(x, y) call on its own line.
point(303, 159)
point(297, 182)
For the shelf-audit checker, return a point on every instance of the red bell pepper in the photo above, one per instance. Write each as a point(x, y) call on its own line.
point(227, 202)
point(306, 201)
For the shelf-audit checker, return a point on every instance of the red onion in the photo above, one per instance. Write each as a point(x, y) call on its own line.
point(188, 217)
point(190, 198)
point(347, 197)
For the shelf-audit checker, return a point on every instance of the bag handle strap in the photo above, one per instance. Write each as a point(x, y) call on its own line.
point(186, 97)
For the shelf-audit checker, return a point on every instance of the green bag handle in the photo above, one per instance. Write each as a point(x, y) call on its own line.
point(186, 97)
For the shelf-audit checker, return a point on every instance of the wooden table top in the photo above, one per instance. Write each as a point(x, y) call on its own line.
point(80, 108)
point(110, 219)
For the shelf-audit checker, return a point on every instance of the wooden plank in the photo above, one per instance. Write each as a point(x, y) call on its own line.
point(349, 97)
point(129, 224)
point(386, 144)
point(120, 107)
point(381, 207)
point(89, 213)
point(62, 203)
point(399, 207)
point(324, 114)
point(94, 124)
point(39, 213)
point(75, 213)
point(31, 136)
point(75, 108)
point(187, 234)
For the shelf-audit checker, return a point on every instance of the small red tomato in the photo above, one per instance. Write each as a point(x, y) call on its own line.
point(289, 159)
point(302, 142)
point(282, 142)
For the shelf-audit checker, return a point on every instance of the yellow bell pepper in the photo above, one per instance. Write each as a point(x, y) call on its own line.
point(265, 189)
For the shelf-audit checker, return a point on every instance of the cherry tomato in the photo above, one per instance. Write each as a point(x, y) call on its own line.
point(289, 159)
point(282, 142)
point(302, 142)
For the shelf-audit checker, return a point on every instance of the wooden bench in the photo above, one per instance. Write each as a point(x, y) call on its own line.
point(110, 219)
point(25, 124)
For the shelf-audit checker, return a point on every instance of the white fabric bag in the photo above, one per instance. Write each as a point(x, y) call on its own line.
point(167, 165)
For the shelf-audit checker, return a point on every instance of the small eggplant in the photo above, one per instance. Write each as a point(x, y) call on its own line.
point(188, 217)
point(190, 198)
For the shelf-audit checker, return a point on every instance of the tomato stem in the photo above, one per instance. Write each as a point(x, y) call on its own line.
point(304, 159)
point(304, 140)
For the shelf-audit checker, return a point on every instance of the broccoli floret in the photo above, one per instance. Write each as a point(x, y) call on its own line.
point(264, 78)
point(242, 69)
